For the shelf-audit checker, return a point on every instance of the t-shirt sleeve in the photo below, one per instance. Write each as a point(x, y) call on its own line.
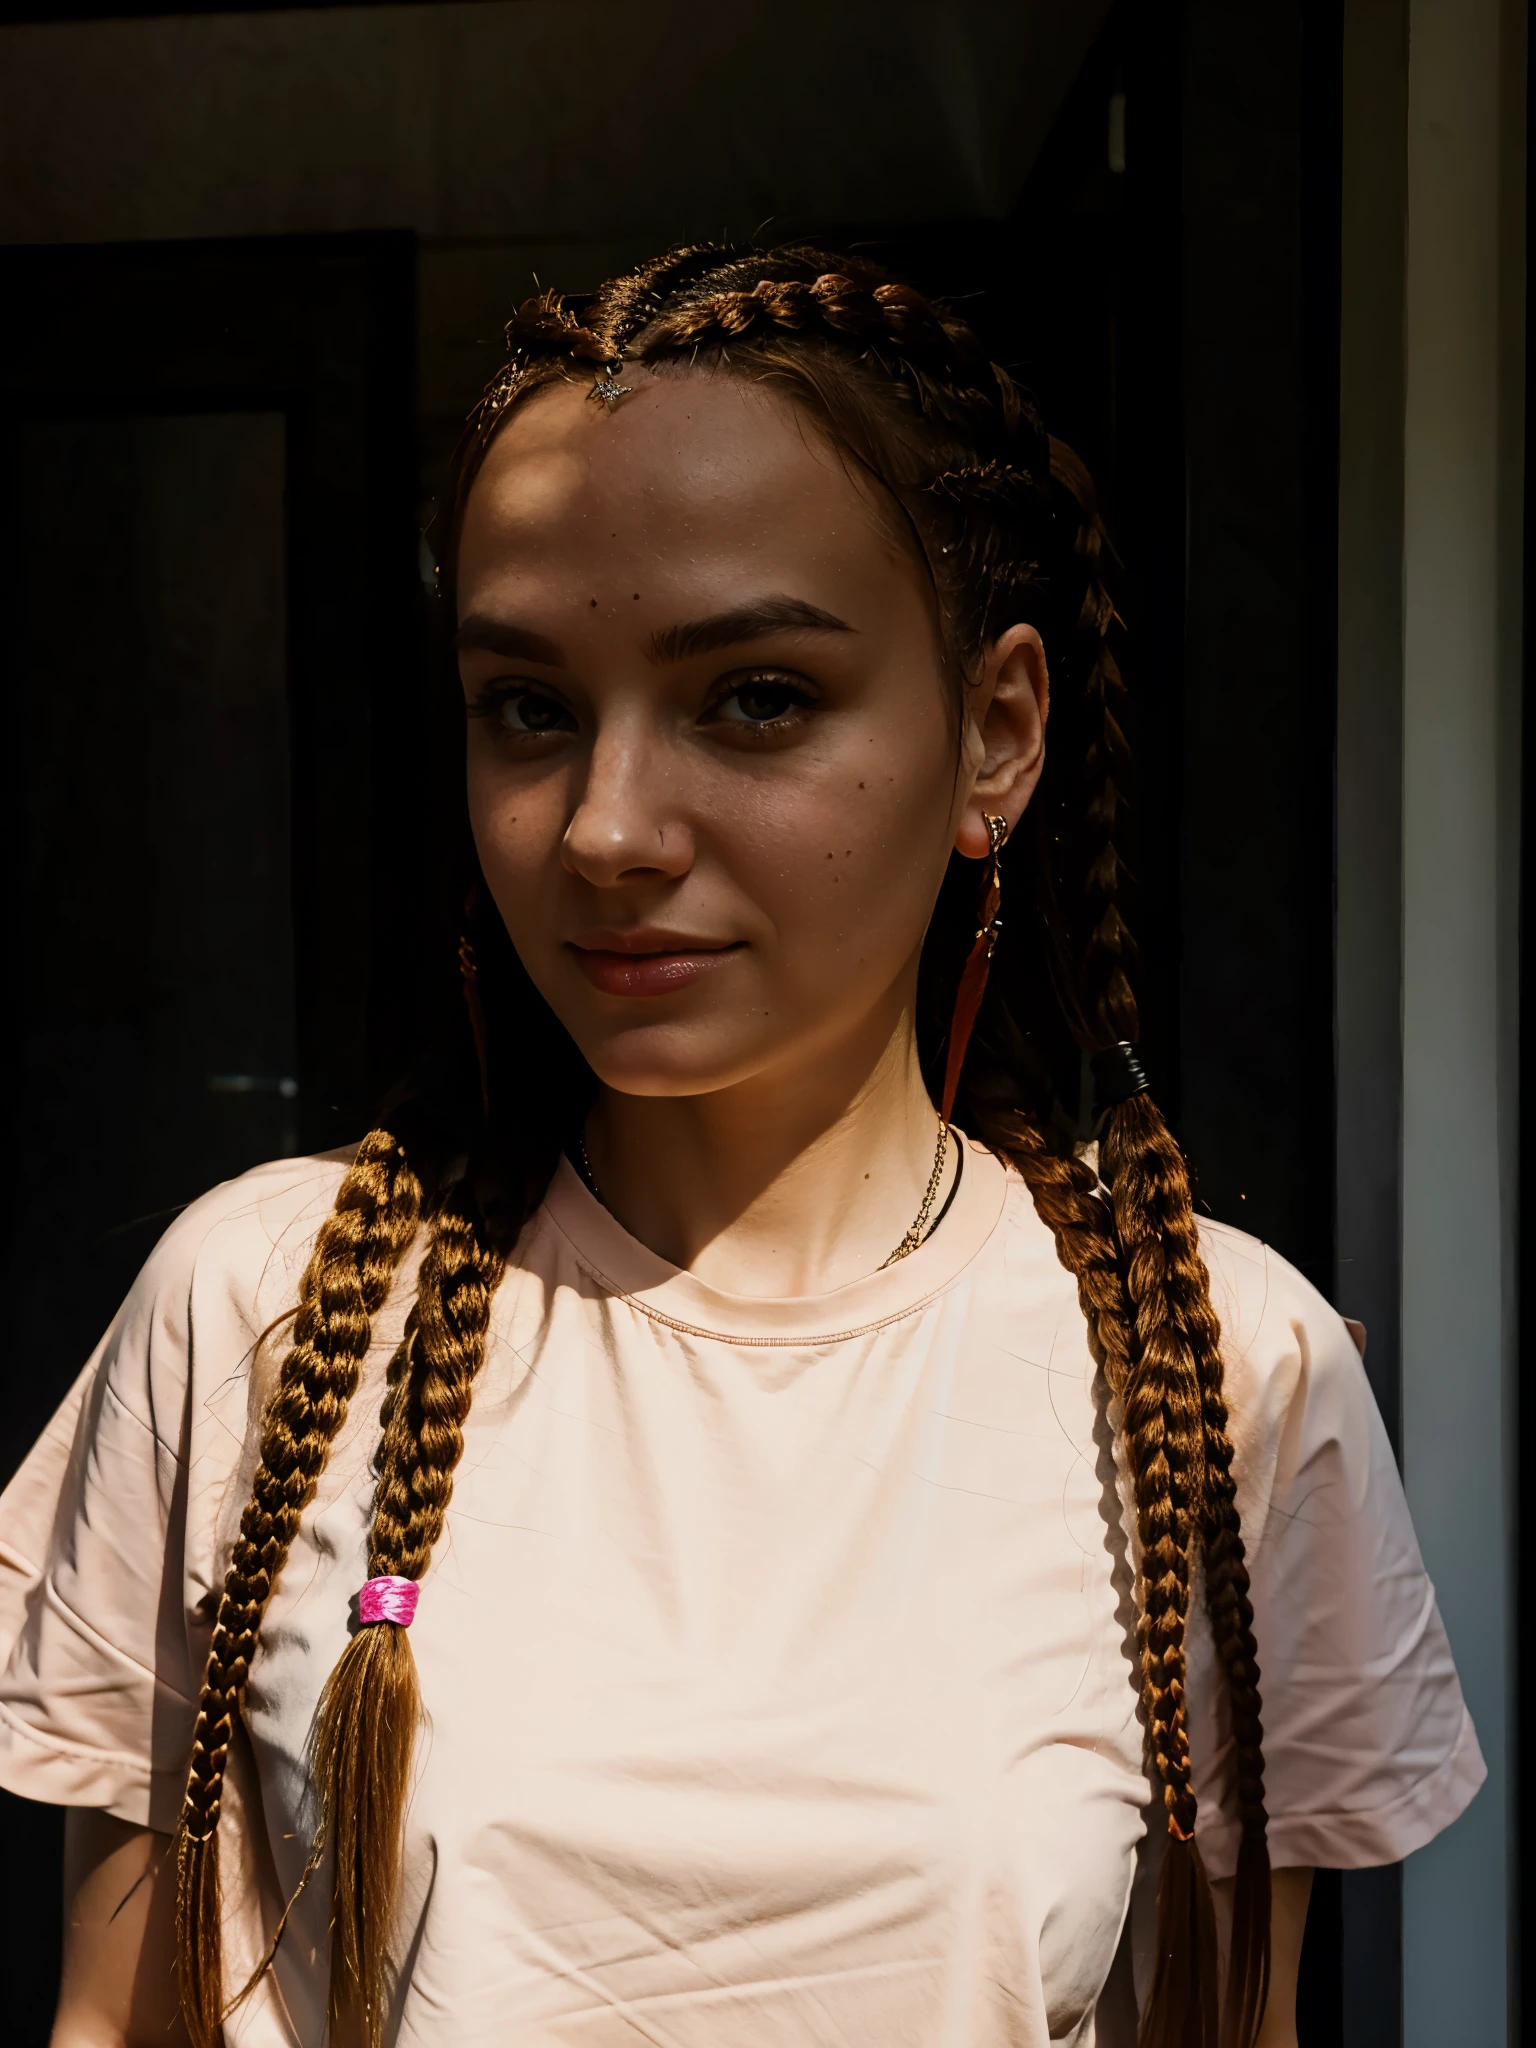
point(1368, 1747)
point(111, 1534)
point(96, 1694)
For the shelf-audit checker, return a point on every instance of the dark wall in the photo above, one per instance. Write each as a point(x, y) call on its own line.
point(212, 704)
point(1262, 183)
point(1261, 202)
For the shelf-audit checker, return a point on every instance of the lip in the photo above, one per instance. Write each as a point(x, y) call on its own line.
point(646, 962)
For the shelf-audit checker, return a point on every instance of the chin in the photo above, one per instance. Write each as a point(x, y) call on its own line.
point(658, 1059)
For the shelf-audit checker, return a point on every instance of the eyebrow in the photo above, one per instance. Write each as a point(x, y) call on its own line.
point(518, 643)
point(753, 621)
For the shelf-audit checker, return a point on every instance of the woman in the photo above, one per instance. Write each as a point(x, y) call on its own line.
point(840, 1541)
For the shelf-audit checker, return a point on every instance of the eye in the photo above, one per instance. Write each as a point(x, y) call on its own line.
point(768, 697)
point(522, 710)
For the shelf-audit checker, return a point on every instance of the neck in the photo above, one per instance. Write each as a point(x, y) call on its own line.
point(784, 1185)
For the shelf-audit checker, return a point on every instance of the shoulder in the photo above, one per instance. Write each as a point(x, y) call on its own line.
point(225, 1269)
point(173, 1380)
point(1303, 1420)
point(1276, 1325)
point(242, 1224)
point(1260, 1294)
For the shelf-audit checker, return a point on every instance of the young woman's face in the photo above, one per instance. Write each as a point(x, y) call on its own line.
point(713, 773)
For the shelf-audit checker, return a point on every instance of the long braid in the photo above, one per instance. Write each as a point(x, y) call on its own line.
point(1164, 1421)
point(1155, 1221)
point(1071, 1204)
point(1165, 1440)
point(1117, 1261)
point(371, 1706)
point(345, 1284)
point(1227, 1592)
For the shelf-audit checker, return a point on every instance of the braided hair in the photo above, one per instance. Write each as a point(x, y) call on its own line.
point(1004, 519)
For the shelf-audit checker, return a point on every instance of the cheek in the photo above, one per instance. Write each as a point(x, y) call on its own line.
point(517, 824)
point(844, 859)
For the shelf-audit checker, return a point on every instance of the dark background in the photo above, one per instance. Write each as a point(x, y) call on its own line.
point(220, 911)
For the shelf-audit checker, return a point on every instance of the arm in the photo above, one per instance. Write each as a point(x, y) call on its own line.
point(119, 1982)
point(1289, 1892)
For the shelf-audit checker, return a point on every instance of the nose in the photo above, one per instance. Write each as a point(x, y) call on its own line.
point(626, 826)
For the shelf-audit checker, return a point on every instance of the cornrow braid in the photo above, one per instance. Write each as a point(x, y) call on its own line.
point(371, 1705)
point(935, 355)
point(633, 300)
point(1107, 950)
point(890, 315)
point(1001, 486)
point(544, 326)
point(360, 1246)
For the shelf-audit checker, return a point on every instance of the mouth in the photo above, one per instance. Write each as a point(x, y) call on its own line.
point(645, 963)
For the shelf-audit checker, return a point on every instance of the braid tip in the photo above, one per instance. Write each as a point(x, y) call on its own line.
point(1181, 2009)
point(199, 1912)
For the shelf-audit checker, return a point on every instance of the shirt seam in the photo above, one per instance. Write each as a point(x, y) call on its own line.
point(148, 1428)
point(25, 1567)
point(1453, 1760)
point(61, 1746)
point(785, 1343)
point(105, 1642)
point(791, 1342)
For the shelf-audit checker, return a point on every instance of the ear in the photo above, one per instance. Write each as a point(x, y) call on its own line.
point(1007, 714)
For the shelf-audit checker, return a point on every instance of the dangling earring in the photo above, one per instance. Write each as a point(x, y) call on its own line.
point(973, 982)
point(469, 976)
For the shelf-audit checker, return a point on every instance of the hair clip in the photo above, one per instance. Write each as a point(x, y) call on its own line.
point(1118, 1075)
point(606, 386)
point(385, 1597)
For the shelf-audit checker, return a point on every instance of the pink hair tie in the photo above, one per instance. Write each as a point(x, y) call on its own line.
point(388, 1599)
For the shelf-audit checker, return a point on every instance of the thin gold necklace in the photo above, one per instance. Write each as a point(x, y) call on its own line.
point(916, 1232)
point(918, 1228)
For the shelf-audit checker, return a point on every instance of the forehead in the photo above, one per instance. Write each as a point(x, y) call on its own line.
point(693, 480)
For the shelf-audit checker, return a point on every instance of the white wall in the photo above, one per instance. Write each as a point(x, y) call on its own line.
point(1463, 443)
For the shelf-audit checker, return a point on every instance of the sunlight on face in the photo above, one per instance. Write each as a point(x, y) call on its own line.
point(713, 773)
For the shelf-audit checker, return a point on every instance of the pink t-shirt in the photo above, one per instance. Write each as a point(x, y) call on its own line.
point(777, 1654)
